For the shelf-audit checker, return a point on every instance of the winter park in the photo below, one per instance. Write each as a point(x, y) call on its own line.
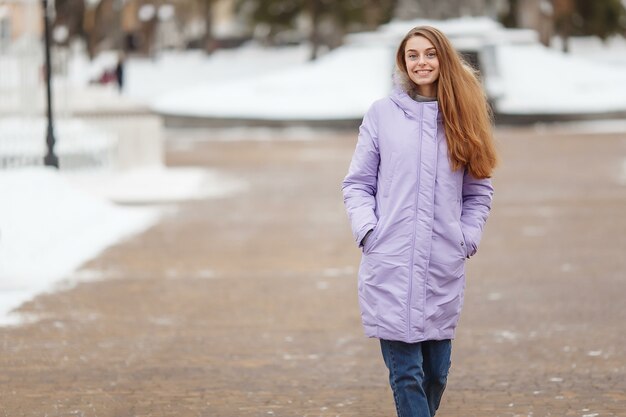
point(174, 239)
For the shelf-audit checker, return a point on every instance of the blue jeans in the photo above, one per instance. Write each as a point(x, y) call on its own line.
point(417, 373)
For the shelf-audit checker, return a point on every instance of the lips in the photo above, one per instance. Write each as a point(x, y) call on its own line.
point(423, 73)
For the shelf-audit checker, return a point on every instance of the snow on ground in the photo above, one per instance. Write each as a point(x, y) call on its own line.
point(48, 229)
point(146, 79)
point(52, 222)
point(340, 85)
point(612, 51)
point(156, 184)
point(540, 80)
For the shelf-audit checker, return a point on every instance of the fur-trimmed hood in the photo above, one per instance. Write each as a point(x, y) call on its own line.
point(405, 95)
point(402, 83)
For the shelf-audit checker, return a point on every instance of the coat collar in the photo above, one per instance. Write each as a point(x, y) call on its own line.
point(402, 93)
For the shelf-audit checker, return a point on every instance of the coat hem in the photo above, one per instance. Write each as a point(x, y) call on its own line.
point(373, 331)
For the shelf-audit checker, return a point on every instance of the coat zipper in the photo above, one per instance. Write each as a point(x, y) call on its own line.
point(408, 314)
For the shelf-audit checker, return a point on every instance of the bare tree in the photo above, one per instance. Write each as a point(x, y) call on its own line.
point(208, 40)
point(563, 13)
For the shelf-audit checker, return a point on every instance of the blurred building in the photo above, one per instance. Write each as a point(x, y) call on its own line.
point(19, 18)
point(448, 9)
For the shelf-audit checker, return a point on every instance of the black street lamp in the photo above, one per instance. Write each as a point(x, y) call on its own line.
point(50, 159)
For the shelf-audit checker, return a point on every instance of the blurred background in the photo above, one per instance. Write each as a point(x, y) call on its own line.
point(188, 61)
point(169, 181)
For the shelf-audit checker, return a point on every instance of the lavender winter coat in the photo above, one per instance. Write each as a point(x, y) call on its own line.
point(426, 220)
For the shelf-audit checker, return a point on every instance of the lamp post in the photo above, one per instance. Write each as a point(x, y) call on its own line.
point(50, 159)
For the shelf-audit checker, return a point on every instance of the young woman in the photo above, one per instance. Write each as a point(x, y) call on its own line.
point(418, 194)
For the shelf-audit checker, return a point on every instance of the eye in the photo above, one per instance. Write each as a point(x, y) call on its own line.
point(431, 55)
point(412, 56)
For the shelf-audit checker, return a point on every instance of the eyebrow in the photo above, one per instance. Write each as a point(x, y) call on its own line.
point(415, 50)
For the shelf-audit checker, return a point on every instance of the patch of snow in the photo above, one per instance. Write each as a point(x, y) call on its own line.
point(316, 91)
point(171, 71)
point(507, 335)
point(48, 229)
point(611, 51)
point(494, 296)
point(540, 80)
point(52, 222)
point(157, 184)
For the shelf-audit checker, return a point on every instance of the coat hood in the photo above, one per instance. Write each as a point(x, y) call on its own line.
point(404, 94)
point(402, 83)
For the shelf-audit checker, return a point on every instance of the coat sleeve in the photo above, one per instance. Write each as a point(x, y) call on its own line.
point(359, 186)
point(477, 197)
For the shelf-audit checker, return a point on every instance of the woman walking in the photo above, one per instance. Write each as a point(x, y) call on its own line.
point(418, 193)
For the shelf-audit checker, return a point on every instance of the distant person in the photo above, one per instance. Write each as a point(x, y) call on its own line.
point(119, 72)
point(418, 194)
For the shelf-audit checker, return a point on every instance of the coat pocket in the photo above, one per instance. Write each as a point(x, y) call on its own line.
point(463, 243)
point(371, 239)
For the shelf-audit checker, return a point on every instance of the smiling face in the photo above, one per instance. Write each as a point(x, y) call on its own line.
point(422, 65)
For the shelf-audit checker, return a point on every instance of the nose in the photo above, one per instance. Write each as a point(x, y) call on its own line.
point(421, 60)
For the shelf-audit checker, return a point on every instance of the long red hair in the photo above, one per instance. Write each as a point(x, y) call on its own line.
point(466, 112)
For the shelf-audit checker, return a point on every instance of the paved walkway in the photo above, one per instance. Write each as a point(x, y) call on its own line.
point(247, 306)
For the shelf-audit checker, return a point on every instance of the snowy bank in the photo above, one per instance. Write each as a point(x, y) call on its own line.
point(171, 71)
point(544, 81)
point(53, 222)
point(340, 85)
point(156, 185)
point(48, 229)
point(522, 77)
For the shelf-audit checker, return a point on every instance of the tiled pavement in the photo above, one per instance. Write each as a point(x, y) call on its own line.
point(246, 306)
